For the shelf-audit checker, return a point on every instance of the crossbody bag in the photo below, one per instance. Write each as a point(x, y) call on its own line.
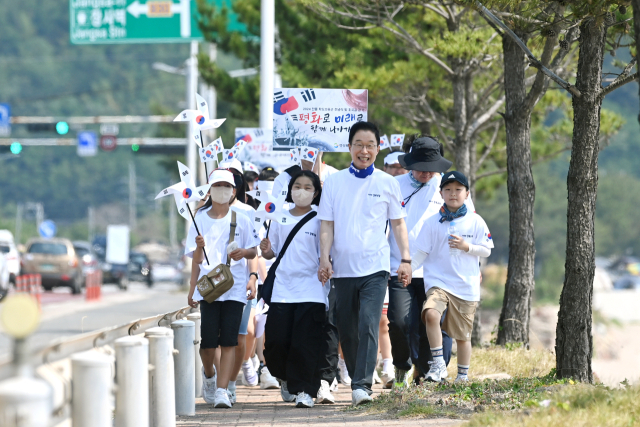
point(267, 286)
point(219, 280)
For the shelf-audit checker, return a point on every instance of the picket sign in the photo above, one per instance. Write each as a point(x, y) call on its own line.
point(93, 285)
point(30, 284)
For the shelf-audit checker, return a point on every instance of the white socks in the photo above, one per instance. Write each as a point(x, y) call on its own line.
point(437, 352)
point(387, 365)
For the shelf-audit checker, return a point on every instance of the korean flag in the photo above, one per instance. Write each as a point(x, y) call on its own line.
point(397, 140)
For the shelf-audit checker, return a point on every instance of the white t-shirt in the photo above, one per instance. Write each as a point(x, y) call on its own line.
point(458, 275)
point(216, 240)
point(326, 171)
point(297, 273)
point(422, 205)
point(359, 209)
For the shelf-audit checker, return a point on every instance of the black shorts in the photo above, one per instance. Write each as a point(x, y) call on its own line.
point(220, 323)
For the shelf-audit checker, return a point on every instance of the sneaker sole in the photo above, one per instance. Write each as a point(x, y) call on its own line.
point(270, 387)
point(389, 384)
point(302, 405)
point(326, 401)
point(363, 402)
point(222, 405)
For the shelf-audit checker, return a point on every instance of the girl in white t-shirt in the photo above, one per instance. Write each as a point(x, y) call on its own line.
point(294, 329)
point(221, 318)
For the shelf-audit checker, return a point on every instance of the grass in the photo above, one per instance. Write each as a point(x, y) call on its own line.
point(453, 400)
point(580, 405)
point(515, 361)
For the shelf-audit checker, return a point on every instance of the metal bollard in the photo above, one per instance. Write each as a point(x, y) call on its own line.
point(162, 400)
point(184, 335)
point(132, 378)
point(195, 318)
point(25, 402)
point(92, 385)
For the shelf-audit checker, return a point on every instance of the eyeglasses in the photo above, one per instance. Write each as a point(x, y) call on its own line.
point(359, 147)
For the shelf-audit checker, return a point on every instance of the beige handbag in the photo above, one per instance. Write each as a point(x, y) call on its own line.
point(219, 280)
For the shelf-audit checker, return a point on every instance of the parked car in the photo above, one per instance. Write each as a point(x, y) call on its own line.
point(11, 253)
point(111, 273)
point(140, 268)
point(87, 258)
point(4, 276)
point(56, 262)
point(627, 282)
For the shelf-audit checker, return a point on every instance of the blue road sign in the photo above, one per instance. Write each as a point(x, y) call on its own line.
point(87, 143)
point(5, 120)
point(47, 229)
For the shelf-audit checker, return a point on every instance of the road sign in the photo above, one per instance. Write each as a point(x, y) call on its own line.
point(135, 21)
point(47, 229)
point(5, 120)
point(109, 129)
point(108, 142)
point(87, 143)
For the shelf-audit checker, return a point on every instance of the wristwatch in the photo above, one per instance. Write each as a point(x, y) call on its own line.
point(405, 261)
point(254, 274)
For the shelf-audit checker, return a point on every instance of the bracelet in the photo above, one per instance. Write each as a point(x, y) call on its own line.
point(254, 274)
point(405, 261)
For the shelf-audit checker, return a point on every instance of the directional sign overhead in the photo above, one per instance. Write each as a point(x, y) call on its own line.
point(139, 21)
point(5, 120)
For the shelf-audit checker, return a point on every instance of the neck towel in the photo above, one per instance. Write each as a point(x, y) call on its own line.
point(361, 173)
point(447, 215)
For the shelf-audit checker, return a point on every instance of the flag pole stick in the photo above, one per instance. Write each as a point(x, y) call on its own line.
point(205, 163)
point(196, 225)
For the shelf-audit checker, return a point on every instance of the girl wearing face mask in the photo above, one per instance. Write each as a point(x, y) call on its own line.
point(221, 318)
point(296, 316)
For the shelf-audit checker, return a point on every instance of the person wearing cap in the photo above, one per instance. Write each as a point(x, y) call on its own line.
point(356, 204)
point(391, 164)
point(449, 248)
point(320, 168)
point(220, 319)
point(421, 200)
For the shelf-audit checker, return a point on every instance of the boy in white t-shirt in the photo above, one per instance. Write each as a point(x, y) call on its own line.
point(450, 246)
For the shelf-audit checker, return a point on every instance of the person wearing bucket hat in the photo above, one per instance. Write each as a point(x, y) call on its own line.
point(421, 199)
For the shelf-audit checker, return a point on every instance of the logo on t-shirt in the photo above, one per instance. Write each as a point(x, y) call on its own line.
point(488, 236)
point(373, 195)
point(311, 234)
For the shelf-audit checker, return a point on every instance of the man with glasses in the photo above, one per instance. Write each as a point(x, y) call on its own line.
point(356, 204)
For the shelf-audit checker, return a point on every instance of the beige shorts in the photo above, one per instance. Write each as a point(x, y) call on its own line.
point(459, 320)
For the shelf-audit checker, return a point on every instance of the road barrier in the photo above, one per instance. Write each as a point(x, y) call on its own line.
point(30, 284)
point(93, 285)
point(153, 379)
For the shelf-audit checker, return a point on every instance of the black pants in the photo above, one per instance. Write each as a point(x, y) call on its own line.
point(328, 365)
point(293, 344)
point(409, 342)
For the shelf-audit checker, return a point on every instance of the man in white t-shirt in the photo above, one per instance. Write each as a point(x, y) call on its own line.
point(356, 204)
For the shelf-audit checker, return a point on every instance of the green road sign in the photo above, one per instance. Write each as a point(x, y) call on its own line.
point(139, 21)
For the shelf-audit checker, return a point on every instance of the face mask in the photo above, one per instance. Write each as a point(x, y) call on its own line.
point(302, 197)
point(221, 195)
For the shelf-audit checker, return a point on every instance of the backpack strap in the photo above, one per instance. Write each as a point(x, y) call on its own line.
point(232, 233)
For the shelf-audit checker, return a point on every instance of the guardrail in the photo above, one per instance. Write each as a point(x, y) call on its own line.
point(92, 376)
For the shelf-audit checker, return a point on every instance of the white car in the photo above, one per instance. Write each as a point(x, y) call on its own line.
point(9, 250)
point(4, 276)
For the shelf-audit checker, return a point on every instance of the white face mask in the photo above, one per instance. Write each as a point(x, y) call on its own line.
point(302, 197)
point(221, 195)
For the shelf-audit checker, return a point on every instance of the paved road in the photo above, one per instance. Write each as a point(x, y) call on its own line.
point(260, 408)
point(64, 314)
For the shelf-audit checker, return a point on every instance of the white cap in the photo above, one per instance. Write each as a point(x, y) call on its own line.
point(221, 175)
point(231, 164)
point(392, 158)
point(264, 186)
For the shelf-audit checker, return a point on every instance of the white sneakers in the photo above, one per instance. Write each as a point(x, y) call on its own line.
point(221, 399)
point(437, 371)
point(324, 393)
point(231, 390)
point(286, 396)
point(267, 381)
point(462, 379)
point(344, 373)
point(376, 378)
point(303, 400)
point(249, 374)
point(387, 379)
point(358, 397)
point(334, 385)
point(403, 378)
point(256, 362)
point(209, 387)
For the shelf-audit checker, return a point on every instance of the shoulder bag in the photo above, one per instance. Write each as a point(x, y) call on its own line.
point(219, 280)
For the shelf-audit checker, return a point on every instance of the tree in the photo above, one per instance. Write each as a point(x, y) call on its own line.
point(574, 343)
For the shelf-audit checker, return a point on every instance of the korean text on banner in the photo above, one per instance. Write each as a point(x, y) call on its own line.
point(318, 118)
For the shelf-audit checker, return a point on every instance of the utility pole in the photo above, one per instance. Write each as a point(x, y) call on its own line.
point(267, 61)
point(210, 95)
point(39, 214)
point(91, 223)
point(19, 211)
point(132, 196)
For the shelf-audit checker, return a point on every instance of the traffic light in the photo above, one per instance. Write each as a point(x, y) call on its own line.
point(62, 128)
point(135, 148)
point(16, 147)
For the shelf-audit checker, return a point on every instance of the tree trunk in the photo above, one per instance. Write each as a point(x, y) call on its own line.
point(574, 342)
point(516, 305)
point(636, 24)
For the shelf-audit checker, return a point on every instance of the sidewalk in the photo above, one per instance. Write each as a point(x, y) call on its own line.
point(260, 408)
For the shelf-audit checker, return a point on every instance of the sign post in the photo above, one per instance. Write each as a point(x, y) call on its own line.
point(87, 144)
point(5, 120)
